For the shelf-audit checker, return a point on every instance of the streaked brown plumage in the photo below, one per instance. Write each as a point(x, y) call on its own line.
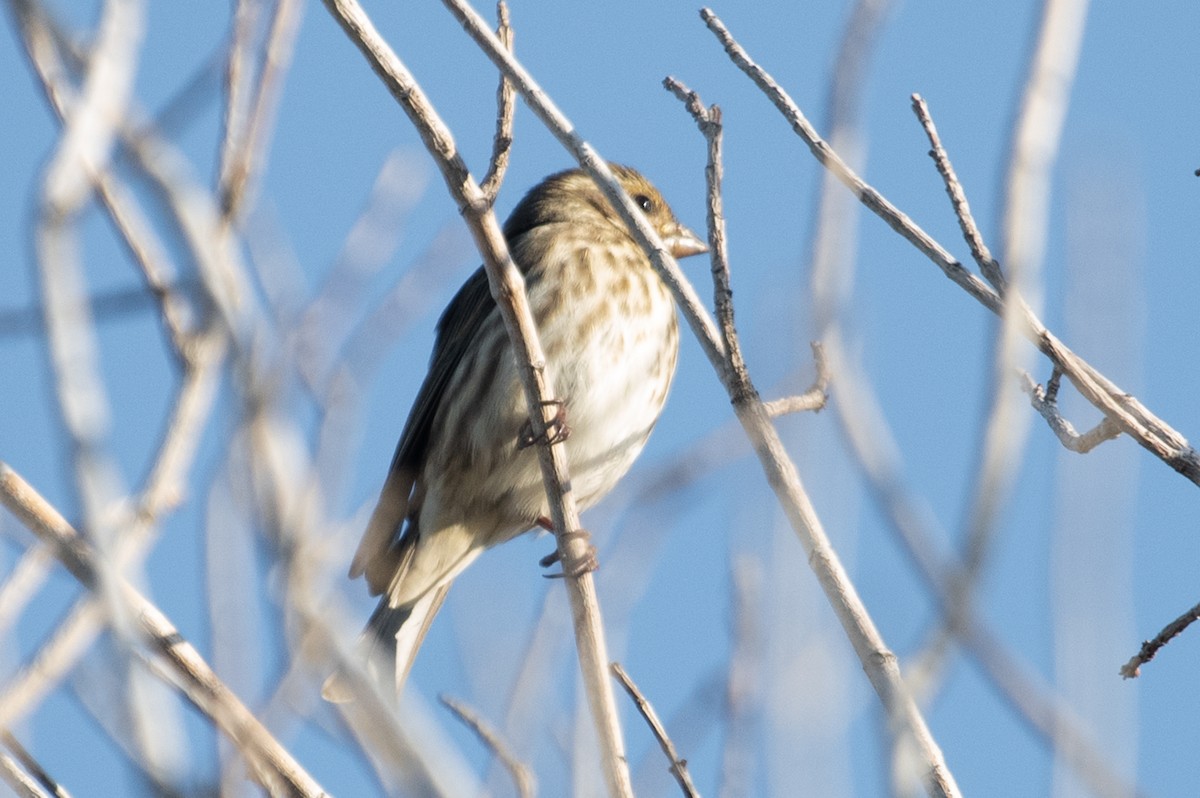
point(459, 482)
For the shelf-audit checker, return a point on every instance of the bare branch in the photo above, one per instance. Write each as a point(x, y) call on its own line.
point(1133, 668)
point(958, 198)
point(507, 286)
point(877, 660)
point(1045, 401)
point(825, 155)
point(32, 766)
point(1134, 419)
point(708, 119)
point(1034, 701)
point(814, 399)
point(522, 776)
point(678, 765)
point(506, 106)
point(22, 784)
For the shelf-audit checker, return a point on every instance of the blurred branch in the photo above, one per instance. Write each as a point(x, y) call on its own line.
point(322, 331)
point(1132, 669)
point(107, 305)
point(55, 57)
point(54, 660)
point(1024, 225)
point(284, 496)
point(271, 765)
point(248, 118)
point(23, 785)
point(1133, 418)
point(508, 288)
point(678, 766)
point(32, 767)
point(1035, 137)
point(522, 776)
point(743, 688)
point(1034, 701)
point(83, 150)
point(201, 353)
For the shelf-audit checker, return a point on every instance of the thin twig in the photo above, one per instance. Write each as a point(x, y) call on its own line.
point(1045, 401)
point(708, 119)
point(1133, 668)
point(506, 106)
point(678, 766)
point(812, 400)
point(958, 198)
point(825, 155)
point(522, 775)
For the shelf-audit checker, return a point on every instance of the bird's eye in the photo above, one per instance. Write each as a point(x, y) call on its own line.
point(644, 202)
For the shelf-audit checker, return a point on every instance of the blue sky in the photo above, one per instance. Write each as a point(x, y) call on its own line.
point(1091, 554)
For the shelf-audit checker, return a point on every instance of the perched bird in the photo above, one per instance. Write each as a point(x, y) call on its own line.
point(464, 476)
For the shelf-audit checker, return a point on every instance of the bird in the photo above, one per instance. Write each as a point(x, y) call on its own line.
point(465, 476)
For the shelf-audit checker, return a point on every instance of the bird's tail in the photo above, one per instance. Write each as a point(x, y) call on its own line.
point(389, 645)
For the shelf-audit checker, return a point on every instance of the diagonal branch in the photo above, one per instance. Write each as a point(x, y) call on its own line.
point(1133, 668)
point(523, 778)
point(508, 288)
point(678, 765)
point(1129, 414)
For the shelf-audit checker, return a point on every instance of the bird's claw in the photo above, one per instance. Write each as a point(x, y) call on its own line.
point(557, 430)
point(585, 565)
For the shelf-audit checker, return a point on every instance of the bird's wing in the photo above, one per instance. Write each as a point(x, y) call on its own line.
point(384, 547)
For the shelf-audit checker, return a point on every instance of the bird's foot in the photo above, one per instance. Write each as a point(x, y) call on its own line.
point(586, 564)
point(557, 430)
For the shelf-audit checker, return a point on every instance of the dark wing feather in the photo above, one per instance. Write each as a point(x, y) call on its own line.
point(381, 552)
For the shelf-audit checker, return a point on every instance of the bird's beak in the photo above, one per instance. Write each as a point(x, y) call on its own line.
point(682, 242)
